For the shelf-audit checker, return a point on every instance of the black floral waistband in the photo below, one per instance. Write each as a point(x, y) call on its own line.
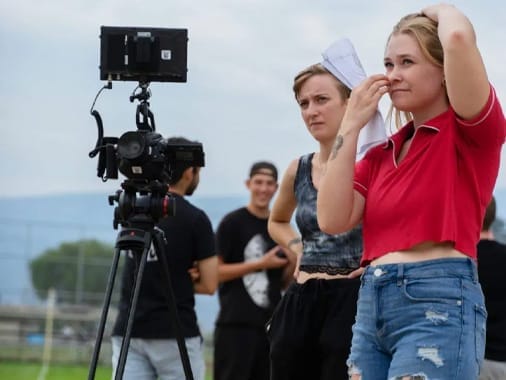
point(325, 269)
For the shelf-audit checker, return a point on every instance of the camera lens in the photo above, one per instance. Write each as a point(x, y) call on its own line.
point(131, 145)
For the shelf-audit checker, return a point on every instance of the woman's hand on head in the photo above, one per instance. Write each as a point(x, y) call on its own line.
point(432, 11)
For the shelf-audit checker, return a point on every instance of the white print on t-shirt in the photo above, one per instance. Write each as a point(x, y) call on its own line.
point(151, 253)
point(256, 283)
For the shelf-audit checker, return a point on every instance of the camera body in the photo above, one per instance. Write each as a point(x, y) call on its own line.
point(145, 155)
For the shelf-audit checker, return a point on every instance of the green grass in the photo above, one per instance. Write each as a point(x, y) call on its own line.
point(30, 371)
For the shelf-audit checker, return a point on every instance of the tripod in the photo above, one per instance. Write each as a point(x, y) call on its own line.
point(138, 238)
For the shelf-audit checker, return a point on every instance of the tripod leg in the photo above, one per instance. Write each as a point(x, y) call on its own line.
point(131, 311)
point(103, 318)
point(171, 300)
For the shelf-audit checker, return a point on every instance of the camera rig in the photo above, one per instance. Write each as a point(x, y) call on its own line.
point(145, 158)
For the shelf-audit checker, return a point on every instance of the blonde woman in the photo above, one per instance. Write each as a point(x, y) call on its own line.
point(421, 199)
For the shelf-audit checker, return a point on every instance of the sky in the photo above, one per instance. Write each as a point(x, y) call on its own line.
point(237, 101)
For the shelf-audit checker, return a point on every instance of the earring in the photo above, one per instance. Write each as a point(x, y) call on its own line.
point(443, 82)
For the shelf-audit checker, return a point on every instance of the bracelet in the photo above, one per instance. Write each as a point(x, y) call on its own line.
point(296, 240)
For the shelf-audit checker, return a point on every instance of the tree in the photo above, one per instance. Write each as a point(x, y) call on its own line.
point(78, 271)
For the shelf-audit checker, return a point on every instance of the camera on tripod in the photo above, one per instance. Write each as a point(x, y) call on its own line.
point(146, 159)
point(143, 156)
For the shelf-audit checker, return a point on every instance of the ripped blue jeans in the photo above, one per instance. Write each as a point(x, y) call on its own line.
point(423, 320)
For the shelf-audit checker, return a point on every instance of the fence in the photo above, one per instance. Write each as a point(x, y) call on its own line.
point(24, 317)
point(25, 336)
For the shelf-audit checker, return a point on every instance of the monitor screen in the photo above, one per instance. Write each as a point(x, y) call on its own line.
point(143, 54)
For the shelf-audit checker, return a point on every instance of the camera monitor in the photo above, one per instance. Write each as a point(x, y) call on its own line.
point(143, 54)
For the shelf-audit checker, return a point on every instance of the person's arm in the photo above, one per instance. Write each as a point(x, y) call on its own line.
point(465, 75)
point(339, 206)
point(231, 271)
point(207, 280)
point(204, 273)
point(289, 271)
point(280, 228)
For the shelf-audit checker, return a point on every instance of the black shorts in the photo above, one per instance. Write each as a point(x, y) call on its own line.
point(310, 330)
point(240, 353)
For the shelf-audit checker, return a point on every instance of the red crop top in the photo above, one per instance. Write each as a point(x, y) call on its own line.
point(441, 188)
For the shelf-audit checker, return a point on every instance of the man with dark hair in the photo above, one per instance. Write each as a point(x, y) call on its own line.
point(252, 273)
point(491, 265)
point(192, 264)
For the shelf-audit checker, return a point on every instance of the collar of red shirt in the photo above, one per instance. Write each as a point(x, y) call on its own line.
point(432, 126)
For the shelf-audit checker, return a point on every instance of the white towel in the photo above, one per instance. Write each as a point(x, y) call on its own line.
point(342, 61)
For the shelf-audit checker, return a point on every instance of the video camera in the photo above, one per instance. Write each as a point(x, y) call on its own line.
point(143, 156)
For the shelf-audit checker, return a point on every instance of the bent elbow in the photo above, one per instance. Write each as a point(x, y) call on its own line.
point(213, 286)
point(273, 229)
point(334, 224)
point(270, 227)
point(460, 39)
point(328, 226)
point(210, 289)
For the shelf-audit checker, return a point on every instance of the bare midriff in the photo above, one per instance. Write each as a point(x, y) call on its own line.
point(421, 252)
point(304, 276)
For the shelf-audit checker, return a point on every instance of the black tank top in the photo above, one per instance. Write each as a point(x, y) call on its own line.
point(332, 254)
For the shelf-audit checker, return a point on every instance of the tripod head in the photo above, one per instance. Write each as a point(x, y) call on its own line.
point(144, 210)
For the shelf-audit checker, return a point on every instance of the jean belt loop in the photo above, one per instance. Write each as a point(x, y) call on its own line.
point(400, 273)
point(474, 269)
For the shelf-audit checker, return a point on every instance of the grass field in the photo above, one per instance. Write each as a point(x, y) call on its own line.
point(30, 371)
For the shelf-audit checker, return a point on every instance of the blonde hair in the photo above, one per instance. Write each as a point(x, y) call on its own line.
point(424, 31)
point(317, 69)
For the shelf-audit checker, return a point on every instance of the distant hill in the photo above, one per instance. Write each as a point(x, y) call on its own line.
point(30, 225)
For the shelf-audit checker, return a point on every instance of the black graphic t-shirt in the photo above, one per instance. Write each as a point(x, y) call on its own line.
point(249, 300)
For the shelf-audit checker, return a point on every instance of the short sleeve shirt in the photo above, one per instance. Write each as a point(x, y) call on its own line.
point(249, 300)
point(439, 191)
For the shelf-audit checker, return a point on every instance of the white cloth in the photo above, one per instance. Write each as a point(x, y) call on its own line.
point(342, 61)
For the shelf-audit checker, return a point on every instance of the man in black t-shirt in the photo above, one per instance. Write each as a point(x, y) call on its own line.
point(192, 264)
point(491, 266)
point(253, 270)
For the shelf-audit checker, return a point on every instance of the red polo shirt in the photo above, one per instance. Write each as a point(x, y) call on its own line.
point(440, 189)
